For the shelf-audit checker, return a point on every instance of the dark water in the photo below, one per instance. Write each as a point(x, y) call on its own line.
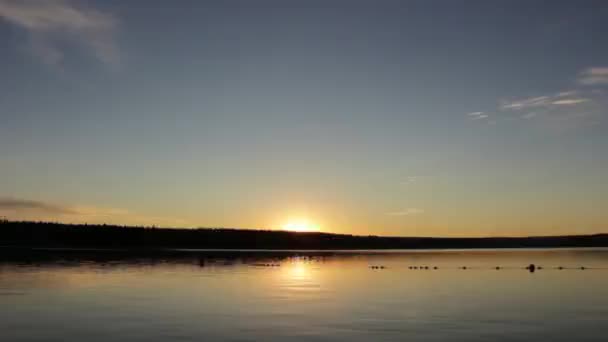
point(311, 297)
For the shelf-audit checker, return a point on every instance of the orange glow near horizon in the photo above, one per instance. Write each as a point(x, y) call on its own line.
point(300, 225)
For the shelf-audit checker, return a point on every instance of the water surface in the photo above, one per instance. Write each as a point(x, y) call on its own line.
point(318, 296)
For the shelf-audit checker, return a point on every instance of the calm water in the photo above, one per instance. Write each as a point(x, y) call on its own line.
point(319, 297)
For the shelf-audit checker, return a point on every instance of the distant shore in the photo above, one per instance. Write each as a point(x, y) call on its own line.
point(58, 235)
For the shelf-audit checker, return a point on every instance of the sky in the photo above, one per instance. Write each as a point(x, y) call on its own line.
point(411, 118)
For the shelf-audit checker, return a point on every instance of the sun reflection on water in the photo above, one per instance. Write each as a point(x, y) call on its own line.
point(298, 269)
point(299, 278)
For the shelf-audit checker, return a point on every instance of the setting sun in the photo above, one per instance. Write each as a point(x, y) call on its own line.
point(300, 226)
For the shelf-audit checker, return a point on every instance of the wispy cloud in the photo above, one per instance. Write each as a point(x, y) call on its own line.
point(14, 204)
point(562, 110)
point(529, 115)
point(519, 104)
point(569, 98)
point(49, 24)
point(409, 180)
point(406, 212)
point(26, 209)
point(593, 76)
point(477, 115)
point(578, 107)
point(568, 102)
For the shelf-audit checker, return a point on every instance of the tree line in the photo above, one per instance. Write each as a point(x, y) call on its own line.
point(49, 234)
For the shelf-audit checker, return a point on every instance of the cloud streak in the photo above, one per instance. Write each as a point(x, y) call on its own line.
point(406, 212)
point(477, 115)
point(594, 76)
point(532, 102)
point(14, 204)
point(50, 24)
point(45, 211)
point(566, 98)
point(409, 180)
point(582, 106)
point(562, 110)
point(569, 102)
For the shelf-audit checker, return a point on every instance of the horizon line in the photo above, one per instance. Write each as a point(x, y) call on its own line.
point(4, 220)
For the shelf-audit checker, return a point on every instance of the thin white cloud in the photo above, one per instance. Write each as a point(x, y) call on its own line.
point(593, 76)
point(572, 108)
point(406, 212)
point(567, 93)
point(569, 102)
point(477, 115)
point(547, 101)
point(52, 23)
point(409, 180)
point(563, 110)
point(532, 102)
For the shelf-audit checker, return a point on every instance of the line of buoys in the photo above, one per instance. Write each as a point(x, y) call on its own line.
point(374, 267)
point(266, 265)
point(531, 268)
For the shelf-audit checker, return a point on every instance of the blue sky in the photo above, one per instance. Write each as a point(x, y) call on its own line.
point(370, 117)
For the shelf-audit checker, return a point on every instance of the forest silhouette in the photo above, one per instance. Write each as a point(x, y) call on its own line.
point(47, 234)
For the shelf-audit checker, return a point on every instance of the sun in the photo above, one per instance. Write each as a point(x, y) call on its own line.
point(300, 226)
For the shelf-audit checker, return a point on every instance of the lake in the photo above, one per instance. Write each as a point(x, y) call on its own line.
point(58, 295)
